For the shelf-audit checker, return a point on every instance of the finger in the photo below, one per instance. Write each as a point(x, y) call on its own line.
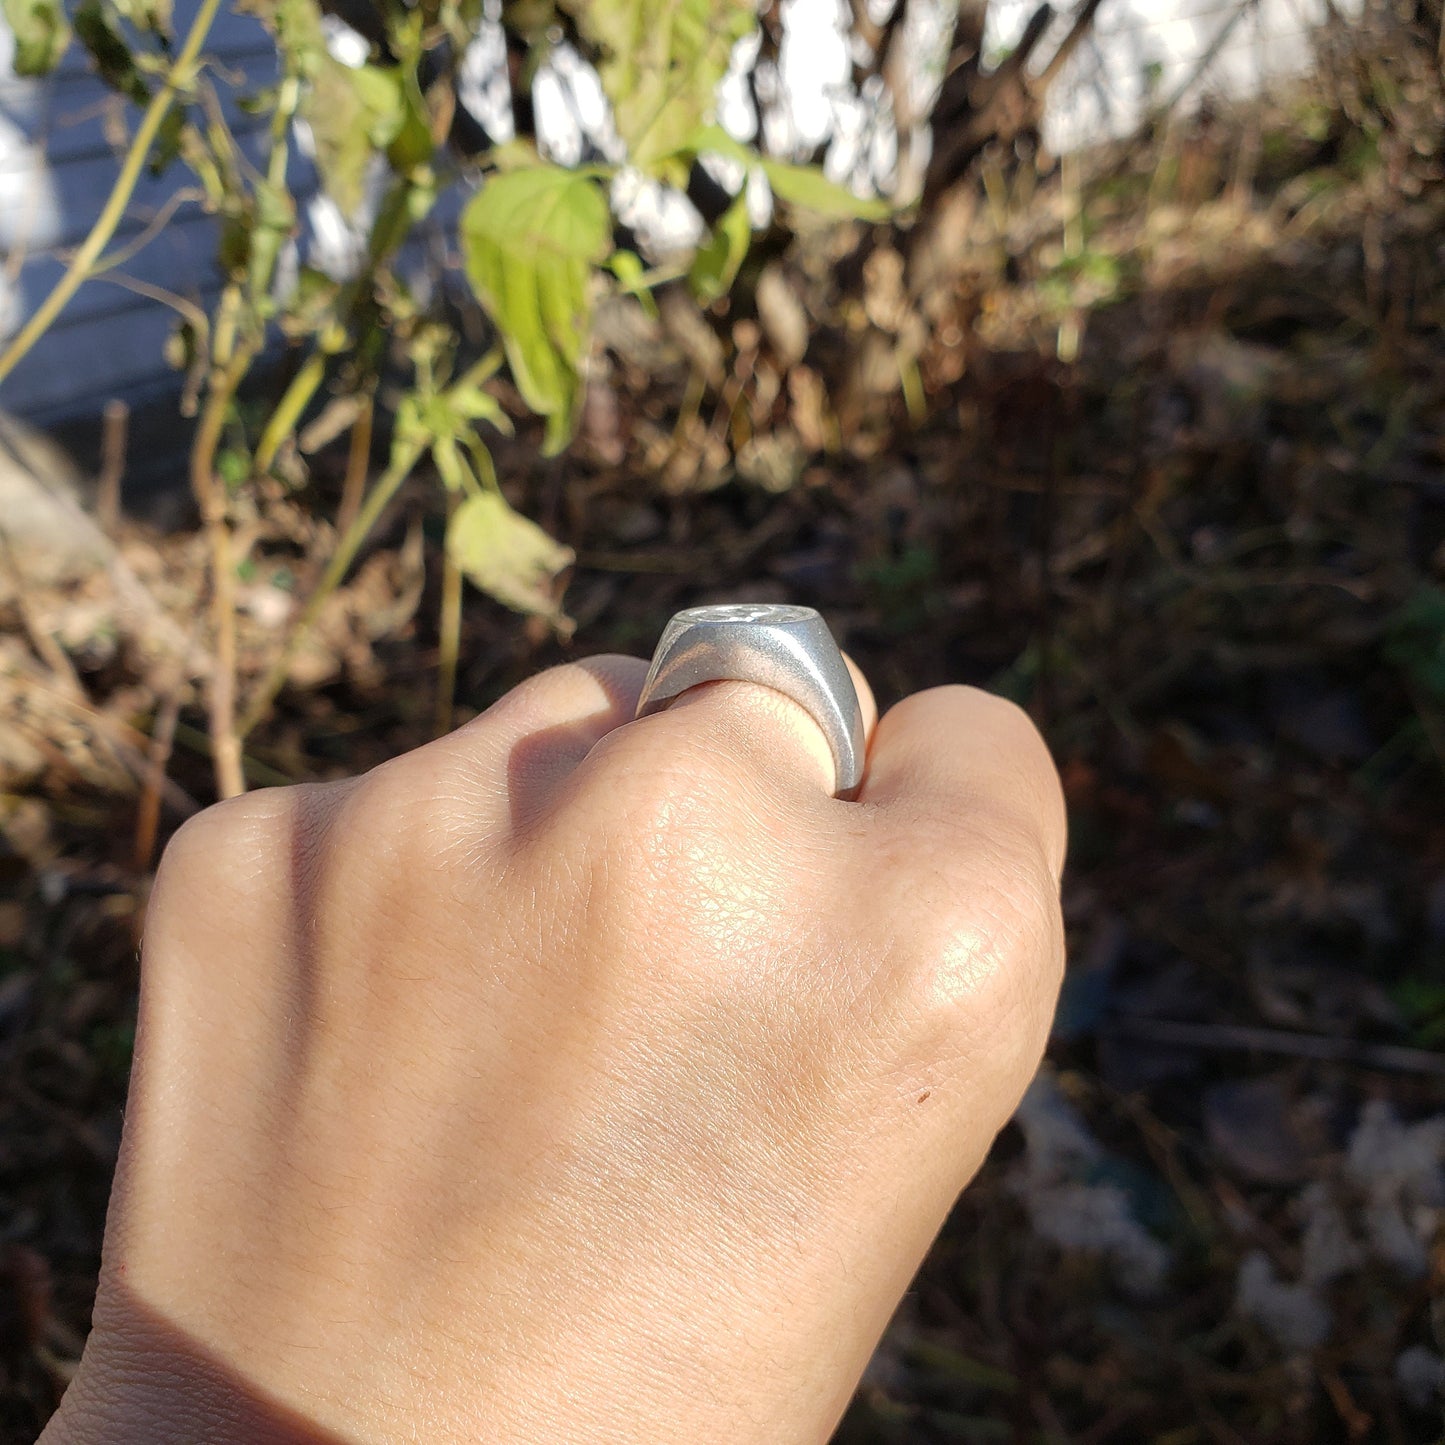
point(526, 745)
point(778, 738)
point(959, 753)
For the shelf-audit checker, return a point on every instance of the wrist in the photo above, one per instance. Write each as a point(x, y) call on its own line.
point(166, 1393)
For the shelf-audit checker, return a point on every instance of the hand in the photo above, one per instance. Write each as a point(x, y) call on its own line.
point(565, 1081)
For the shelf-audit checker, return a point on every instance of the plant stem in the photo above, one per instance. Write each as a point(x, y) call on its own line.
point(294, 401)
point(404, 458)
point(158, 756)
point(210, 495)
point(177, 77)
point(358, 460)
point(449, 633)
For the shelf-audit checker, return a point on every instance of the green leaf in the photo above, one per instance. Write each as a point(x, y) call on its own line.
point(411, 147)
point(715, 138)
point(531, 240)
point(808, 187)
point(97, 31)
point(715, 267)
point(507, 556)
point(353, 114)
point(450, 467)
point(804, 186)
point(150, 16)
point(41, 34)
point(299, 34)
point(632, 277)
point(660, 62)
point(471, 403)
point(167, 146)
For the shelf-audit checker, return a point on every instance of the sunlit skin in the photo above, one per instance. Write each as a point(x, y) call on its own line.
point(570, 1081)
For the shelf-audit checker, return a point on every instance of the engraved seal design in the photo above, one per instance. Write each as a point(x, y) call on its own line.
point(764, 613)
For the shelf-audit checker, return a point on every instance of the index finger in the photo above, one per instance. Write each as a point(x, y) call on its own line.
point(960, 752)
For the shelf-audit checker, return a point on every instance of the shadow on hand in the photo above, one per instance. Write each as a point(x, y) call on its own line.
point(167, 1389)
point(541, 760)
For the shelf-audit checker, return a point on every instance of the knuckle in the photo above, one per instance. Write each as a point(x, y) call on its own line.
point(411, 812)
point(656, 770)
point(983, 946)
point(680, 834)
point(229, 862)
point(1033, 790)
point(238, 831)
point(1003, 713)
point(1000, 717)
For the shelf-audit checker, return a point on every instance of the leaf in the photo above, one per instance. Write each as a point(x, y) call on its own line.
point(808, 187)
point(531, 240)
point(167, 146)
point(715, 267)
point(715, 138)
point(41, 34)
point(632, 277)
point(449, 465)
point(96, 30)
point(296, 25)
point(507, 556)
point(411, 146)
point(804, 186)
point(150, 16)
point(353, 114)
point(660, 62)
point(471, 403)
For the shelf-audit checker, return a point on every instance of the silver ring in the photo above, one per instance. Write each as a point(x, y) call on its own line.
point(788, 649)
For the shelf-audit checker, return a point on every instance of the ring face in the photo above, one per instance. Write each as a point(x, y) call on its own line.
point(786, 648)
point(762, 612)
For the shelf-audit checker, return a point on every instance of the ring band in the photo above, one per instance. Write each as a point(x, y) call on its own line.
point(788, 649)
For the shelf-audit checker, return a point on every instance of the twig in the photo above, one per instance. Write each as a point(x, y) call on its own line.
point(46, 648)
point(970, 106)
point(1210, 55)
point(1395, 1058)
point(294, 401)
point(147, 817)
point(210, 495)
point(260, 773)
point(97, 1145)
point(358, 460)
point(404, 458)
point(449, 633)
point(116, 422)
point(176, 79)
point(182, 306)
point(130, 746)
point(1070, 43)
point(154, 227)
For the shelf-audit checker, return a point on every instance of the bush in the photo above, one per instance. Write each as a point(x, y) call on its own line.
point(538, 241)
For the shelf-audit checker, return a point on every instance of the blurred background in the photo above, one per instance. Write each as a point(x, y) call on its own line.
point(358, 359)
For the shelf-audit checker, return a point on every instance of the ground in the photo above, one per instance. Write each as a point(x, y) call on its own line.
point(1160, 455)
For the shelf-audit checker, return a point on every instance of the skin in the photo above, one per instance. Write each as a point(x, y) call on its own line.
point(565, 1080)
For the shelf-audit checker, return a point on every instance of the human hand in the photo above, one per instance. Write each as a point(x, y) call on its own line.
point(569, 1081)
